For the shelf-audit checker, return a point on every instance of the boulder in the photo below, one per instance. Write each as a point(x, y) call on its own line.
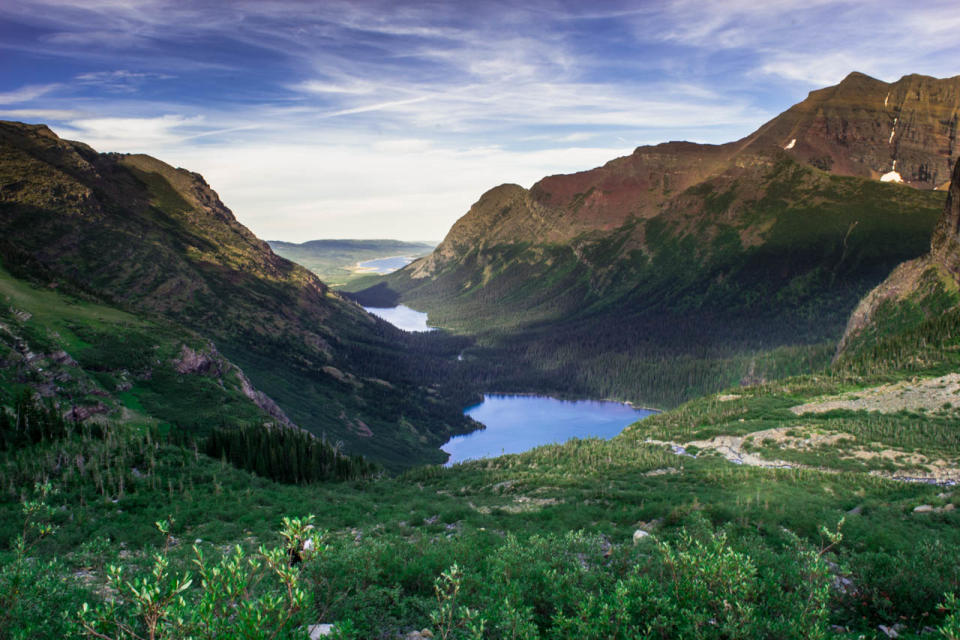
point(639, 535)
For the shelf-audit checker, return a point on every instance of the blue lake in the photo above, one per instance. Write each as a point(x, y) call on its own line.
point(402, 317)
point(384, 266)
point(518, 423)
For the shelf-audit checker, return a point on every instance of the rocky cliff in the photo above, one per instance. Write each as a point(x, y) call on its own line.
point(901, 131)
point(945, 245)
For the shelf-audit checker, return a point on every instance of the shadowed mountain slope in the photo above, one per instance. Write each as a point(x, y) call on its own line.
point(912, 319)
point(137, 234)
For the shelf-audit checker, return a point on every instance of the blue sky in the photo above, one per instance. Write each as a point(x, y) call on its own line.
point(389, 119)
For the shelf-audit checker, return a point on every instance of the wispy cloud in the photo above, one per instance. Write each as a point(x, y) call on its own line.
point(320, 86)
point(120, 80)
point(379, 106)
point(39, 114)
point(818, 42)
point(27, 93)
point(133, 134)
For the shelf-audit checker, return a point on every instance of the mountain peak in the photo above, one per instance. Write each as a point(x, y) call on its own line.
point(858, 76)
point(904, 131)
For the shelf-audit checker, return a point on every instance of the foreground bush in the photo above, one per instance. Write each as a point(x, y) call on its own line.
point(240, 596)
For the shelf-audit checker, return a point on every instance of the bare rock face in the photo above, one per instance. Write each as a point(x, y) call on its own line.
point(945, 245)
point(904, 131)
point(196, 362)
point(211, 362)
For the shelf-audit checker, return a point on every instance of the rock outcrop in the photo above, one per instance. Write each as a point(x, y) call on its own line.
point(945, 245)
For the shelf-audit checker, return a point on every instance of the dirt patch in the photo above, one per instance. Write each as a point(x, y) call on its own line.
point(931, 394)
point(912, 466)
point(731, 448)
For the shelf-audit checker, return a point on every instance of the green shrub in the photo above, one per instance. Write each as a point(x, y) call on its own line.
point(259, 596)
point(27, 585)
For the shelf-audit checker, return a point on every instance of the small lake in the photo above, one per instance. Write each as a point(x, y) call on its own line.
point(519, 423)
point(383, 266)
point(402, 317)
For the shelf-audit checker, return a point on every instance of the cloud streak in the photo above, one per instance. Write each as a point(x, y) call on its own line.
point(26, 94)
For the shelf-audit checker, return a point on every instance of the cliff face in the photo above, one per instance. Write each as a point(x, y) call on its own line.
point(945, 245)
point(902, 131)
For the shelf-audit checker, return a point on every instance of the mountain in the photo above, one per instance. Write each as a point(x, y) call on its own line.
point(683, 268)
point(336, 261)
point(906, 130)
point(133, 234)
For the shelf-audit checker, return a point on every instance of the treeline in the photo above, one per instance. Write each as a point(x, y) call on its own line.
point(286, 455)
point(281, 454)
point(31, 423)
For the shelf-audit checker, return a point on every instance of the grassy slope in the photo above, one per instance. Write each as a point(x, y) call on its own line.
point(119, 360)
point(396, 535)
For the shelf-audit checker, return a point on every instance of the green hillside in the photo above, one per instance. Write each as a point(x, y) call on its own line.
point(748, 275)
point(540, 545)
point(133, 233)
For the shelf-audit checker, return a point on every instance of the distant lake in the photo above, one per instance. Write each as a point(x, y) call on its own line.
point(383, 266)
point(518, 423)
point(402, 317)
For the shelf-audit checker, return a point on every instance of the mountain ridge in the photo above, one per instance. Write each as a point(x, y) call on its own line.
point(800, 214)
point(838, 129)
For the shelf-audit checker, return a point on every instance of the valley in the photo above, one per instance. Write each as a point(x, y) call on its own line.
point(201, 438)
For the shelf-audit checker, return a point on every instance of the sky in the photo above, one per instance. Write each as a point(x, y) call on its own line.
point(366, 119)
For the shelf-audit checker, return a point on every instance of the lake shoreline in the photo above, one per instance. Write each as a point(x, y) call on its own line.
point(403, 317)
point(359, 269)
point(569, 398)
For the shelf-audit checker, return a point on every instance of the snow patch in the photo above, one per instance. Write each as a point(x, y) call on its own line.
point(891, 176)
point(790, 144)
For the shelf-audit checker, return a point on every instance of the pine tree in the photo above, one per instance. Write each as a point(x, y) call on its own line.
point(7, 433)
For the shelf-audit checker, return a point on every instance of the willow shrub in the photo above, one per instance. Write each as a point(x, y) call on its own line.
point(239, 596)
